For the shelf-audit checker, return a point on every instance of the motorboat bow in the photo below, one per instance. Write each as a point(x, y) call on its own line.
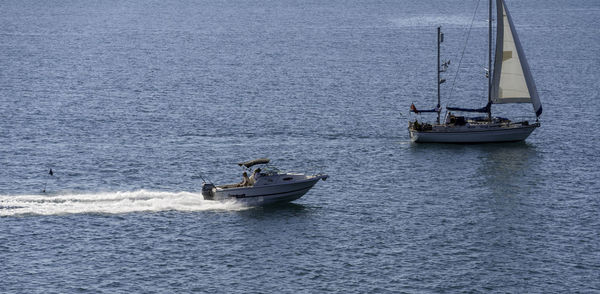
point(266, 185)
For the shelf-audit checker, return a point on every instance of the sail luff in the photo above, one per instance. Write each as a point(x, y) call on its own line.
point(489, 74)
point(512, 81)
point(498, 53)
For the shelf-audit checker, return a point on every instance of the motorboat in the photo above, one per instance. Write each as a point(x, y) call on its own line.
point(266, 185)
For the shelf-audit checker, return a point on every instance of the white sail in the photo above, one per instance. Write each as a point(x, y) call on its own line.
point(512, 81)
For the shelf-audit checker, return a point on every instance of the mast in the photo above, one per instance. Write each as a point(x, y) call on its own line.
point(439, 82)
point(489, 73)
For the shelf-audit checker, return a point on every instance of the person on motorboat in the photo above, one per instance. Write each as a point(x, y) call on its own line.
point(254, 176)
point(245, 181)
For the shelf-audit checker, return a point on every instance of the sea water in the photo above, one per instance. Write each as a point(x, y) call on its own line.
point(131, 102)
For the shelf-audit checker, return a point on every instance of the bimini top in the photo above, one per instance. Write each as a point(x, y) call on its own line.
point(254, 162)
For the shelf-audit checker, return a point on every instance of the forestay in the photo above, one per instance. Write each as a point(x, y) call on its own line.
point(512, 81)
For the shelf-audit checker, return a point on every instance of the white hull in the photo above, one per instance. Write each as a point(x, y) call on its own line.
point(478, 133)
point(267, 194)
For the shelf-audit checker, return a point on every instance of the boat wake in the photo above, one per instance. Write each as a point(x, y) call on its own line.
point(110, 203)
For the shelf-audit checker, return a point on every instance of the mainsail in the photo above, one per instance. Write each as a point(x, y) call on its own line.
point(512, 81)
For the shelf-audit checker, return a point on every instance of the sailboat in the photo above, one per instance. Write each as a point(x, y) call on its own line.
point(510, 82)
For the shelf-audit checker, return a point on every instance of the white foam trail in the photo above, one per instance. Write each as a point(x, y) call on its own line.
point(109, 202)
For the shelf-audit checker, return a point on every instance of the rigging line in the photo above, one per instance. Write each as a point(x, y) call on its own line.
point(463, 51)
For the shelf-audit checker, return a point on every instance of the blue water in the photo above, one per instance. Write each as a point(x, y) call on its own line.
point(130, 101)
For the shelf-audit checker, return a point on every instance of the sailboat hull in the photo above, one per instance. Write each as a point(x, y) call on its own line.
point(480, 133)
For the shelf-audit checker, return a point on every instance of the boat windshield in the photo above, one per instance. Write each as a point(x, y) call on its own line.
point(270, 170)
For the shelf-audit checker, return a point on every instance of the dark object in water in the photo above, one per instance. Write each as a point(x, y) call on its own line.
point(207, 192)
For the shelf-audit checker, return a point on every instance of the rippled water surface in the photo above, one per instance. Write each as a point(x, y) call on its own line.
point(130, 101)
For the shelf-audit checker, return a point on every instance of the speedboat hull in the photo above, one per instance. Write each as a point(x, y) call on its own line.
point(265, 194)
point(479, 133)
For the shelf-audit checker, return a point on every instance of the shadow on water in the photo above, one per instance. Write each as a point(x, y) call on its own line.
point(459, 146)
point(497, 169)
point(276, 210)
point(486, 148)
point(507, 204)
point(510, 169)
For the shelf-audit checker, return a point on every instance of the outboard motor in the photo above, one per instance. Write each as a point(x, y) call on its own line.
point(207, 191)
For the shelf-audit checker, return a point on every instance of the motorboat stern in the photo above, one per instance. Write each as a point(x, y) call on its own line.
point(207, 191)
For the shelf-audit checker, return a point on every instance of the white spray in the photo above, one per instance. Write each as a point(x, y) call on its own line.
point(109, 202)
